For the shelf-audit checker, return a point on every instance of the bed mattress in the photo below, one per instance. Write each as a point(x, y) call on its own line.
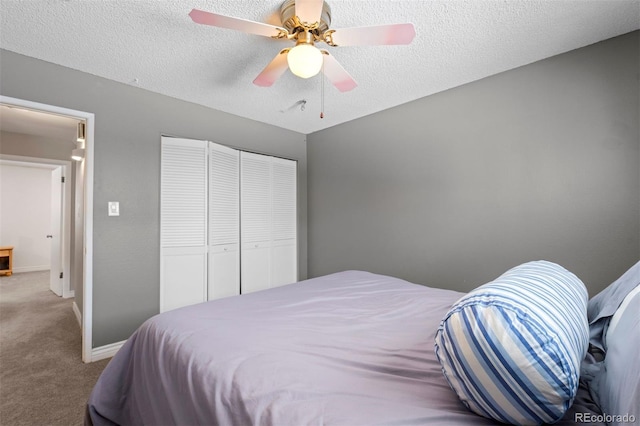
point(351, 348)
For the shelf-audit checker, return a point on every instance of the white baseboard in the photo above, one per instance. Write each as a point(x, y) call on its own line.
point(31, 269)
point(106, 351)
point(76, 311)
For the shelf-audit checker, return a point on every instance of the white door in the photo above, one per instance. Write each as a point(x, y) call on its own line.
point(284, 250)
point(255, 211)
point(56, 233)
point(183, 223)
point(268, 193)
point(224, 222)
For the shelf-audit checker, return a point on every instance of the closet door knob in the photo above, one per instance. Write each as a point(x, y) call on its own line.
point(49, 236)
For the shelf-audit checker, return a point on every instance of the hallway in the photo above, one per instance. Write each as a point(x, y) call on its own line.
point(42, 378)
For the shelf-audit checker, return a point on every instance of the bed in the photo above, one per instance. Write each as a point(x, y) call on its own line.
point(350, 348)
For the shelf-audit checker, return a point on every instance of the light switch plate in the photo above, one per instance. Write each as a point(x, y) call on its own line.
point(114, 208)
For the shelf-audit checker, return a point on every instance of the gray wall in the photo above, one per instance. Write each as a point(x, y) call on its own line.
point(129, 123)
point(541, 162)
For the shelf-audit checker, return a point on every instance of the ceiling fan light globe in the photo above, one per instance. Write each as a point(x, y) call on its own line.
point(304, 60)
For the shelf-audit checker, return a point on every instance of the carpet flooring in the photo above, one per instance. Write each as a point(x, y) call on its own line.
point(43, 380)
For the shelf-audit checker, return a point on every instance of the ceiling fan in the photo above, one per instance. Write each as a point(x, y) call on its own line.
point(307, 22)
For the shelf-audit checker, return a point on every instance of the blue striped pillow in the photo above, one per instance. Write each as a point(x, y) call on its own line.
point(511, 349)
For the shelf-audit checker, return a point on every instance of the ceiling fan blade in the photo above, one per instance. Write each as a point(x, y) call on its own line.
point(309, 11)
point(336, 73)
point(372, 36)
point(222, 21)
point(274, 70)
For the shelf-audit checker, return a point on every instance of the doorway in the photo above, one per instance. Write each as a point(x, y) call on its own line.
point(84, 191)
point(36, 214)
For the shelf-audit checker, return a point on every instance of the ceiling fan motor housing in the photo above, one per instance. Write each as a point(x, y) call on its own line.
point(293, 25)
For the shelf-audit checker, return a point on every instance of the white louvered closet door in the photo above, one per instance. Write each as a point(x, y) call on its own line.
point(284, 250)
point(183, 222)
point(224, 221)
point(255, 221)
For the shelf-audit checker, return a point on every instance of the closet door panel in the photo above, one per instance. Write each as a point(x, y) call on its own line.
point(224, 221)
point(183, 275)
point(255, 222)
point(224, 195)
point(284, 261)
point(284, 257)
point(224, 271)
point(284, 199)
point(183, 223)
point(183, 193)
point(256, 267)
point(255, 197)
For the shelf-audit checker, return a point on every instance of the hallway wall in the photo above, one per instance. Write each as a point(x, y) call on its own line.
point(25, 215)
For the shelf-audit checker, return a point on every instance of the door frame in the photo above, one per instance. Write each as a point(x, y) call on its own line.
point(64, 231)
point(87, 250)
point(65, 208)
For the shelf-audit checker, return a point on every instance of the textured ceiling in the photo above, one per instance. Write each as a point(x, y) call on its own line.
point(154, 45)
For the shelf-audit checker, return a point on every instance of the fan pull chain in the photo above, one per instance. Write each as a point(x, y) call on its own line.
point(322, 91)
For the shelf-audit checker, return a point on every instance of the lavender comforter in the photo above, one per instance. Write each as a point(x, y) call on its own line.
point(351, 348)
